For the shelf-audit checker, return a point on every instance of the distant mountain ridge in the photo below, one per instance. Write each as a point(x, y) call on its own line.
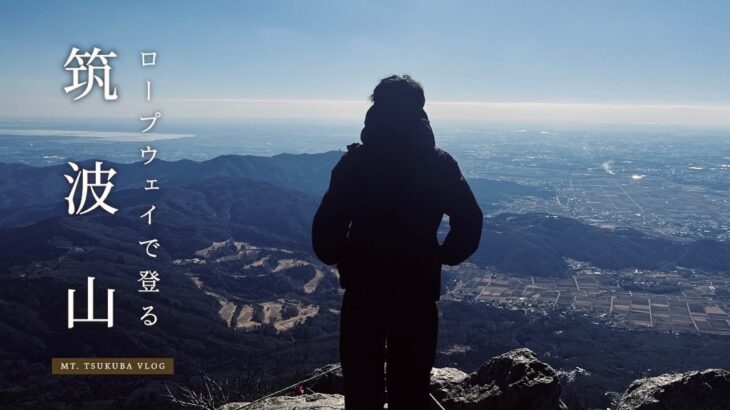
point(23, 185)
point(537, 245)
point(270, 200)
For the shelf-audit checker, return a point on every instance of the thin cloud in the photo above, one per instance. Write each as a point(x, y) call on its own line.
point(542, 112)
point(106, 135)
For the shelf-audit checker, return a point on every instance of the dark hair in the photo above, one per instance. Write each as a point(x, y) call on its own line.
point(399, 91)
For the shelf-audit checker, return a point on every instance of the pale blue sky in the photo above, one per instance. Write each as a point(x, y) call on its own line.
point(583, 51)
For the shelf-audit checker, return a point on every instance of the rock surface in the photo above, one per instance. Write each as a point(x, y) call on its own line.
point(707, 390)
point(316, 401)
point(518, 380)
point(331, 382)
point(513, 380)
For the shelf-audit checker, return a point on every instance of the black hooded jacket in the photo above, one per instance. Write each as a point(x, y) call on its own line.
point(387, 196)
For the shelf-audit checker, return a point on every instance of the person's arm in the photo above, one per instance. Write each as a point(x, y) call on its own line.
point(465, 218)
point(332, 220)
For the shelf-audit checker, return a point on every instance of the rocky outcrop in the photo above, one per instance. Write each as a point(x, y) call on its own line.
point(513, 380)
point(316, 401)
point(453, 390)
point(707, 390)
point(517, 380)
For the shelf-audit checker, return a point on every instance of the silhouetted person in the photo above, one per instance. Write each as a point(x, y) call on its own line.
point(378, 222)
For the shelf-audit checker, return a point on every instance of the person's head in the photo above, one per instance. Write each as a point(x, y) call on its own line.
point(400, 93)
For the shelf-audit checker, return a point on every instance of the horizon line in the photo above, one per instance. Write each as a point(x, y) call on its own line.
point(689, 113)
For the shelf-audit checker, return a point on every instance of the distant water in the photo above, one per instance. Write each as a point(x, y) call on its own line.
point(46, 142)
point(55, 141)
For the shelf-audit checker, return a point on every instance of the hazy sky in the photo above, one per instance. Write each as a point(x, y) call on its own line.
point(583, 60)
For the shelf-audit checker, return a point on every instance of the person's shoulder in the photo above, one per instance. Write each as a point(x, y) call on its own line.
point(354, 153)
point(350, 158)
point(443, 155)
point(446, 167)
point(354, 149)
point(445, 159)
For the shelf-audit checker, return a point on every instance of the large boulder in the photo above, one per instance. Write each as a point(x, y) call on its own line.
point(707, 390)
point(513, 380)
point(452, 389)
point(446, 378)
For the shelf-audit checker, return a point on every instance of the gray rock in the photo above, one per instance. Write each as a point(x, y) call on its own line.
point(447, 376)
point(330, 383)
point(451, 388)
point(316, 401)
point(524, 382)
point(513, 380)
point(707, 390)
point(447, 382)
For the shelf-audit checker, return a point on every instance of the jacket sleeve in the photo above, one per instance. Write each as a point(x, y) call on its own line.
point(465, 218)
point(332, 220)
